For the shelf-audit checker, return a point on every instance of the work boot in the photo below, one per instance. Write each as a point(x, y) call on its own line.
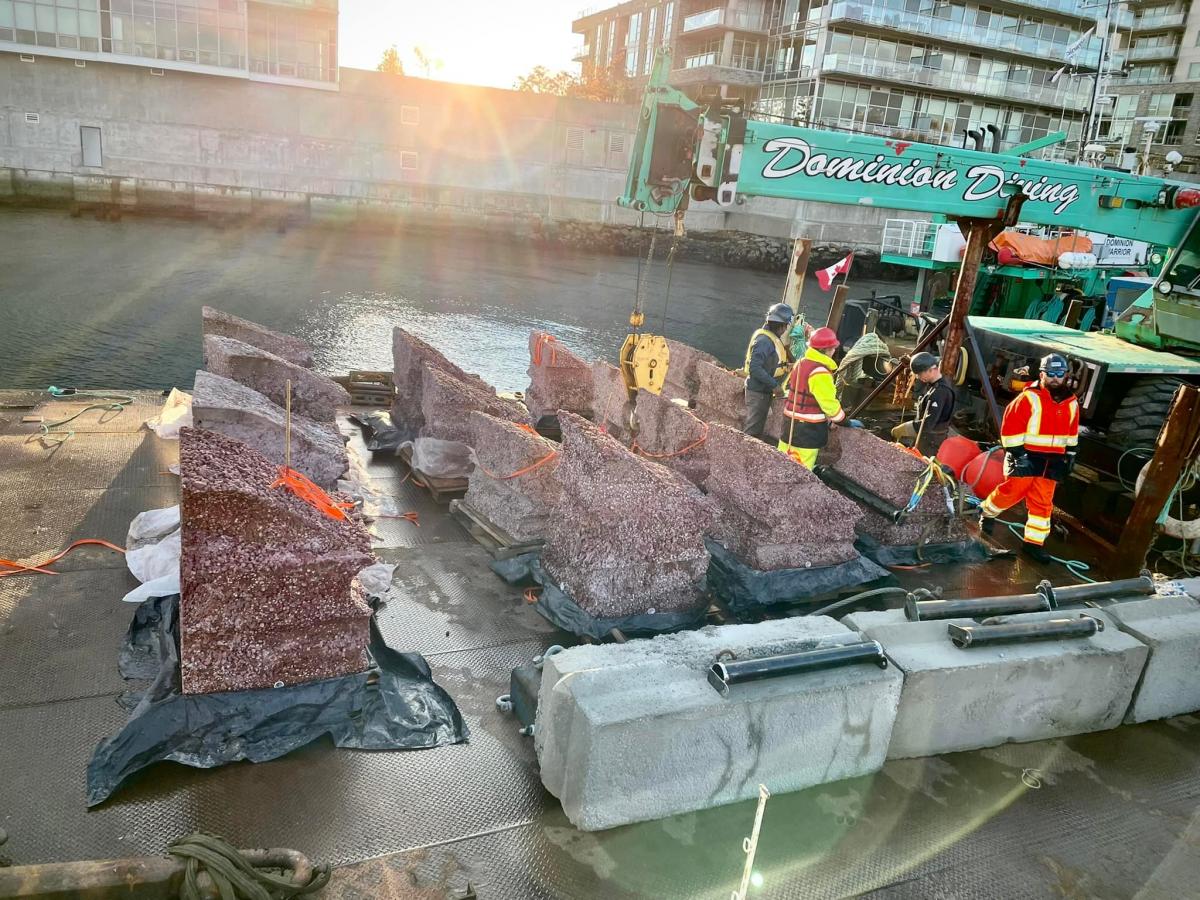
point(1036, 552)
point(987, 524)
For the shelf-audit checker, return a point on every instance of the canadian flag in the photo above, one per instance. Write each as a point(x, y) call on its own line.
point(825, 276)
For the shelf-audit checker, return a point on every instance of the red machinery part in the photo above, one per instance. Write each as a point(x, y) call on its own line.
point(1185, 198)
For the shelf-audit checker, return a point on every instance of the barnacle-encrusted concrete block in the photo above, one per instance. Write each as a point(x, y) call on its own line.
point(891, 473)
point(722, 395)
point(411, 356)
point(669, 434)
point(285, 346)
point(775, 514)
point(558, 379)
point(234, 410)
point(313, 395)
point(268, 591)
point(520, 505)
point(611, 406)
point(682, 379)
point(628, 534)
point(447, 401)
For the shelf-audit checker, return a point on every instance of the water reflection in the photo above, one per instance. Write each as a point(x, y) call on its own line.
point(98, 304)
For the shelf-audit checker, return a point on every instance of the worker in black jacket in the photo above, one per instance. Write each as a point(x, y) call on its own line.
point(935, 407)
point(766, 367)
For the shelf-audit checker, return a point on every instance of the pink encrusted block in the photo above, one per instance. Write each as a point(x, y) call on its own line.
point(263, 571)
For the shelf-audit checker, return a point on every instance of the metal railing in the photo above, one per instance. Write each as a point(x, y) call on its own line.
point(1153, 23)
point(1163, 51)
point(974, 35)
point(582, 52)
point(959, 82)
point(909, 237)
point(728, 18)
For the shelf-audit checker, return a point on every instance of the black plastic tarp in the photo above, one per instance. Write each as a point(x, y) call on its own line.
point(558, 608)
point(745, 590)
point(913, 555)
point(380, 433)
point(394, 705)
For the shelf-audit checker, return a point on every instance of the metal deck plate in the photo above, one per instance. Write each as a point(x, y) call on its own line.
point(1113, 813)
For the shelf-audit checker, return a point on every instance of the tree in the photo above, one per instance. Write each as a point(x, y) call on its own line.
point(606, 85)
point(426, 62)
point(391, 62)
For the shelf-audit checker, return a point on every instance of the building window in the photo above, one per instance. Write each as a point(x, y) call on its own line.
point(408, 160)
point(1160, 104)
point(612, 39)
point(89, 140)
point(648, 53)
point(1194, 72)
point(632, 43)
point(574, 138)
point(668, 22)
point(410, 115)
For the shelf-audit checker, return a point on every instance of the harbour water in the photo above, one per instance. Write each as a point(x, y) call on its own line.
point(87, 303)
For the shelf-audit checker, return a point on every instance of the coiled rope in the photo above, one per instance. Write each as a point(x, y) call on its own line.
point(234, 877)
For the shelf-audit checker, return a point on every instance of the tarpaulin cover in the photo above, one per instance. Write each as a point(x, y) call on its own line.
point(558, 608)
point(1043, 251)
point(379, 431)
point(745, 590)
point(912, 555)
point(402, 710)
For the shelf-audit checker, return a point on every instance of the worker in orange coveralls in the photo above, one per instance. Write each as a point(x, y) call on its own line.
point(1039, 433)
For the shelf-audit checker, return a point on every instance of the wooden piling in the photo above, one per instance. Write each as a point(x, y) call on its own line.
point(1174, 451)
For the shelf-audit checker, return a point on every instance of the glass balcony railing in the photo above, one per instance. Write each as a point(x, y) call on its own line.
point(974, 35)
point(1156, 23)
point(1071, 91)
point(582, 52)
point(1140, 54)
point(724, 18)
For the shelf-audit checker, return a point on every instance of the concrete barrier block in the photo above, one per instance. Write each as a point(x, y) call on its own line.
point(632, 732)
point(988, 695)
point(1170, 627)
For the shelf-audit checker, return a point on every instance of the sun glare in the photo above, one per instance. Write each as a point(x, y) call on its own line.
point(475, 42)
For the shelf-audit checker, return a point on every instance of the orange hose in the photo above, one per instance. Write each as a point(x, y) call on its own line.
point(408, 517)
point(23, 568)
point(529, 468)
point(543, 340)
point(531, 594)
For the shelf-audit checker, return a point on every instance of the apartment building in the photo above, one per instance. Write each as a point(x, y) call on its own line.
point(718, 48)
point(284, 41)
point(1152, 108)
point(930, 70)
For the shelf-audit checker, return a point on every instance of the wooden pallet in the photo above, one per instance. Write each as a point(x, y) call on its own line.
point(368, 388)
point(442, 489)
point(494, 539)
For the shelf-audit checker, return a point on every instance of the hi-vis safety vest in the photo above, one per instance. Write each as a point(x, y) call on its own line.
point(1037, 422)
point(781, 353)
point(811, 394)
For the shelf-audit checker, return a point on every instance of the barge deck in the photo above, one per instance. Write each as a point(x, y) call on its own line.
point(1111, 814)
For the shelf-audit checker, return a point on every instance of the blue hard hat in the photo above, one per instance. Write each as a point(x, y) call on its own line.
point(781, 313)
point(1054, 365)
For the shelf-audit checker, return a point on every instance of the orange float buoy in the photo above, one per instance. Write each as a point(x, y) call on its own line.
point(984, 473)
point(955, 452)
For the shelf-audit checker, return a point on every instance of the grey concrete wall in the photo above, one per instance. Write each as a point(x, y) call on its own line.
point(381, 146)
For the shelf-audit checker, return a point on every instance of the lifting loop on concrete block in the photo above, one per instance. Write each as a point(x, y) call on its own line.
point(1001, 631)
point(550, 651)
point(722, 675)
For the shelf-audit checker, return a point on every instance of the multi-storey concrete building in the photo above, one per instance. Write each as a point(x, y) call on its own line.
point(718, 46)
point(931, 69)
point(286, 41)
point(1153, 106)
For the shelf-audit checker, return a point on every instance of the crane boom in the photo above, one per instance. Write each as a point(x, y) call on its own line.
point(723, 156)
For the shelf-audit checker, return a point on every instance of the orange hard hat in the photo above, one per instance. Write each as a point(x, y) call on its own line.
point(823, 339)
